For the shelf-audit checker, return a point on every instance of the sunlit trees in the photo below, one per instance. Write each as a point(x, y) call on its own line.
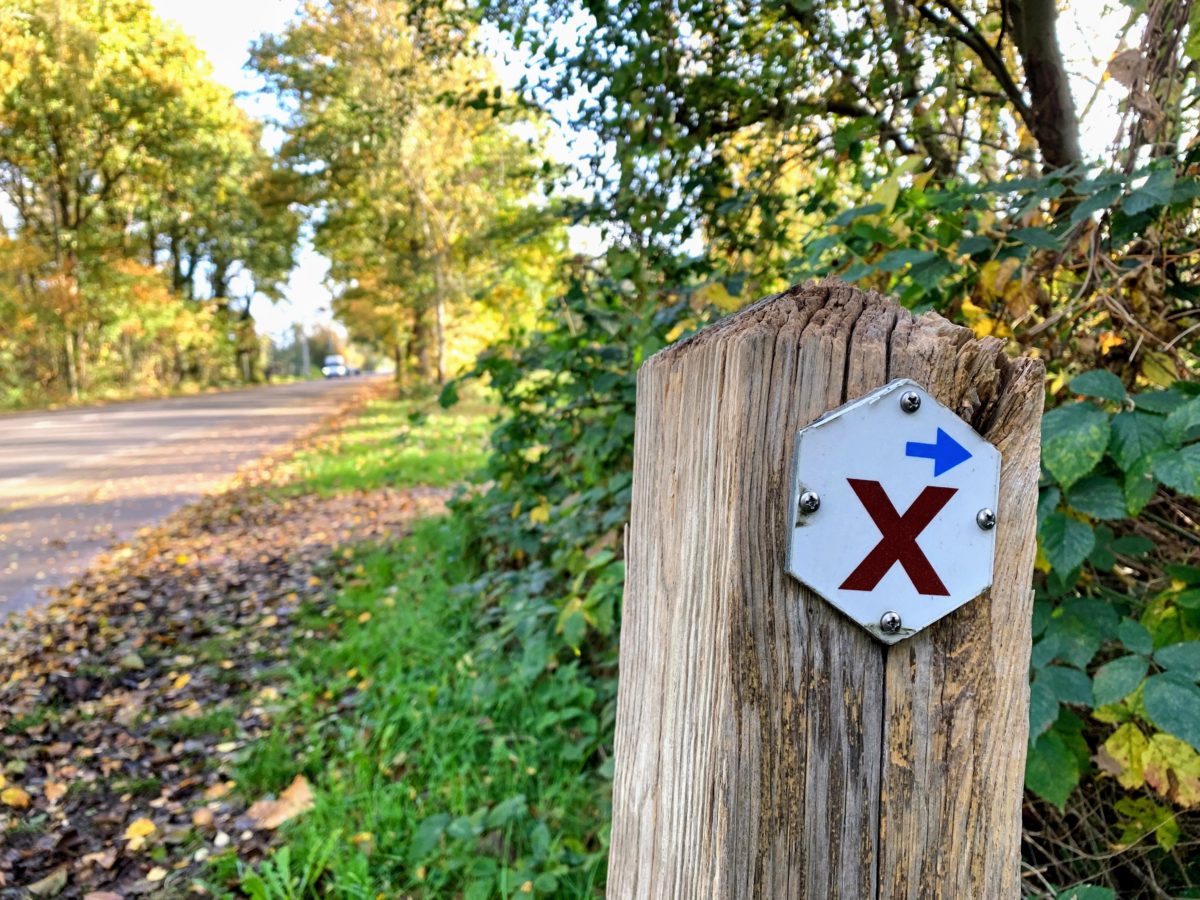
point(423, 193)
point(119, 156)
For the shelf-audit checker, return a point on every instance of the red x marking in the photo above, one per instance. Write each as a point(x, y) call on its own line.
point(899, 542)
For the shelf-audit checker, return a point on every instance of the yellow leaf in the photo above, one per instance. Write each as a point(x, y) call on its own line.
point(14, 797)
point(138, 831)
point(269, 621)
point(158, 873)
point(540, 514)
point(219, 790)
point(54, 791)
point(1122, 755)
point(1173, 770)
point(363, 618)
point(181, 682)
point(181, 559)
point(1159, 369)
point(1109, 340)
point(292, 802)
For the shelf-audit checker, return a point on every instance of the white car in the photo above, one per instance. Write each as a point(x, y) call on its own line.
point(334, 367)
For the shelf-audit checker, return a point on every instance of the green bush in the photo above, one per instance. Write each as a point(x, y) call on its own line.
point(1117, 614)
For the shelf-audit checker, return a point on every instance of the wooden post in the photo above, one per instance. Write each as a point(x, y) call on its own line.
point(768, 747)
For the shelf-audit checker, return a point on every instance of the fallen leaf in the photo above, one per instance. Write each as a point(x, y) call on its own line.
point(54, 790)
point(103, 858)
point(202, 818)
point(138, 831)
point(131, 662)
point(102, 895)
point(181, 682)
point(219, 790)
point(51, 885)
point(292, 802)
point(14, 797)
point(158, 873)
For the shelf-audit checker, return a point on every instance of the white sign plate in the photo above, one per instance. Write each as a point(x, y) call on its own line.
point(894, 503)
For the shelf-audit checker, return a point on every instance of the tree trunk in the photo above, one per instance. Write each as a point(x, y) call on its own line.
point(439, 280)
point(420, 345)
point(72, 372)
point(1055, 125)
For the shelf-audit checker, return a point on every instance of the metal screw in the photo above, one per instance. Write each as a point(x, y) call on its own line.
point(889, 623)
point(910, 401)
point(810, 502)
point(986, 519)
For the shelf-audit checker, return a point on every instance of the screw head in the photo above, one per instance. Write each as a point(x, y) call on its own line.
point(810, 502)
point(986, 519)
point(889, 623)
point(910, 401)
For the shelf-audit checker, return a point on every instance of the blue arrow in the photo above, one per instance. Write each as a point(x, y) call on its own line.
point(946, 453)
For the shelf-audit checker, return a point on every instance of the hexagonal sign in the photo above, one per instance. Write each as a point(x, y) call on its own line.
point(894, 506)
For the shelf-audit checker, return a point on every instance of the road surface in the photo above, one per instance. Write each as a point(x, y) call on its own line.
point(74, 481)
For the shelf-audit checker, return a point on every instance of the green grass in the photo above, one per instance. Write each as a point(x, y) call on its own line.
point(441, 764)
point(216, 721)
point(436, 774)
point(397, 443)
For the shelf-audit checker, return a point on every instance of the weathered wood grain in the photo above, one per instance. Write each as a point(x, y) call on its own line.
point(766, 746)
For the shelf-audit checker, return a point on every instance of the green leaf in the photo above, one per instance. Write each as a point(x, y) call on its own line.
point(1183, 658)
point(845, 218)
point(1140, 485)
point(428, 834)
point(1069, 685)
point(1135, 435)
point(898, 259)
point(1074, 438)
point(1155, 192)
point(1066, 541)
point(1118, 679)
point(969, 246)
point(1180, 470)
point(1099, 383)
point(1086, 892)
point(1074, 638)
point(1048, 500)
point(1043, 708)
point(1036, 237)
point(1174, 706)
point(506, 811)
point(1100, 200)
point(1182, 420)
point(1135, 636)
point(1189, 599)
point(1186, 574)
point(1160, 401)
point(1051, 769)
point(1098, 497)
point(1132, 545)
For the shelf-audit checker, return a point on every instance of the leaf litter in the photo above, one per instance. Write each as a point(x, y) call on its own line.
point(125, 702)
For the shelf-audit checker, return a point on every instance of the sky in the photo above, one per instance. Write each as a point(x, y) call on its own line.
point(224, 30)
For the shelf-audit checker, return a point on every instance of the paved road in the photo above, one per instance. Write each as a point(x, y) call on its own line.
point(74, 481)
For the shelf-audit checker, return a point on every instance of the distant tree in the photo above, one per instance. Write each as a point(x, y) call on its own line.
point(423, 189)
point(119, 153)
